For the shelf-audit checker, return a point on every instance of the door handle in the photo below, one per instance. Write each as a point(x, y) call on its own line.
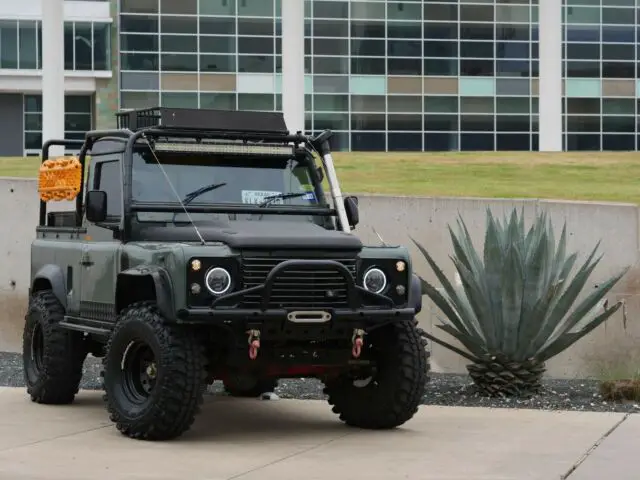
point(85, 261)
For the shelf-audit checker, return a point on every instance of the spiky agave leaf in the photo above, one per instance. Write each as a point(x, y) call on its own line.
point(456, 308)
point(564, 335)
point(516, 298)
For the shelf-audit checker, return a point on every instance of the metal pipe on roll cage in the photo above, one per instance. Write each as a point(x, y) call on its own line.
point(45, 156)
point(127, 189)
point(322, 147)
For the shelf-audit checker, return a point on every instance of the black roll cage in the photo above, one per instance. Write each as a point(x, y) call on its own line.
point(259, 133)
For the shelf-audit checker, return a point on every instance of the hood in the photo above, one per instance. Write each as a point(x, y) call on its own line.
point(242, 234)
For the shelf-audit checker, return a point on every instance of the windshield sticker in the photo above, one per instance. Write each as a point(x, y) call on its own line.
point(311, 196)
point(255, 197)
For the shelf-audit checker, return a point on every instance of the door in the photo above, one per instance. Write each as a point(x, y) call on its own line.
point(100, 259)
point(99, 270)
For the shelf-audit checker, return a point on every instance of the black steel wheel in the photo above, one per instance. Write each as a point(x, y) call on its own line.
point(139, 372)
point(36, 363)
point(52, 357)
point(391, 395)
point(153, 374)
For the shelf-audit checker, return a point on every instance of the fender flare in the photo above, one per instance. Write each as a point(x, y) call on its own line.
point(55, 277)
point(162, 284)
point(415, 294)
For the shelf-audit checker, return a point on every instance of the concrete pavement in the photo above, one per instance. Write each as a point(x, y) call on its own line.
point(294, 440)
point(616, 456)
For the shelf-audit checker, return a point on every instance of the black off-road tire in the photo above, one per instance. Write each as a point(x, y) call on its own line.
point(169, 409)
point(52, 356)
point(395, 392)
point(261, 386)
point(424, 341)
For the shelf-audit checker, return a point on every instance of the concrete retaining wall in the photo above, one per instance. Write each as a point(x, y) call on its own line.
point(396, 219)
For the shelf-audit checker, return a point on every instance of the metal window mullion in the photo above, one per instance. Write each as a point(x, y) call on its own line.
point(313, 70)
point(422, 77)
point(198, 67)
point(93, 46)
point(386, 71)
point(237, 54)
point(275, 52)
point(531, 63)
point(459, 132)
point(73, 46)
point(495, 77)
point(159, 34)
point(18, 44)
point(601, 65)
point(350, 113)
point(38, 62)
point(564, 81)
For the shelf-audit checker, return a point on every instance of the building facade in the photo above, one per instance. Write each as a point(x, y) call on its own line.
point(384, 75)
point(88, 63)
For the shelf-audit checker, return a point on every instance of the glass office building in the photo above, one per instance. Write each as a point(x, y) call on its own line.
point(384, 75)
point(88, 64)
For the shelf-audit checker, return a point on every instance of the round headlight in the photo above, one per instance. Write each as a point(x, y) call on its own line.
point(374, 280)
point(218, 280)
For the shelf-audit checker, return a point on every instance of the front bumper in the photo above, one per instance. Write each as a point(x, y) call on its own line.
point(363, 309)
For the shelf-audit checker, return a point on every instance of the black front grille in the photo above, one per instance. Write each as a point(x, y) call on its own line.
point(322, 287)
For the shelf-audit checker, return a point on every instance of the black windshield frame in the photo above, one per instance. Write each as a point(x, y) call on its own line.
point(304, 159)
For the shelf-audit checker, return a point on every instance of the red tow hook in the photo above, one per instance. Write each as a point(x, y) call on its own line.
point(358, 342)
point(254, 343)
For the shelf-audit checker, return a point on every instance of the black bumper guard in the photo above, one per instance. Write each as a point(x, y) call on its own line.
point(357, 297)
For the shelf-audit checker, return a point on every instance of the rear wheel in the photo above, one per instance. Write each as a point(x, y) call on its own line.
point(154, 375)
point(249, 386)
point(52, 356)
point(392, 394)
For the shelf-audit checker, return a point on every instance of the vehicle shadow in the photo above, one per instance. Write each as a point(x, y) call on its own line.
point(235, 419)
point(230, 419)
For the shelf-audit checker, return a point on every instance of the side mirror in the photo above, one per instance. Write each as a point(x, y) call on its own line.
point(351, 206)
point(96, 206)
point(319, 174)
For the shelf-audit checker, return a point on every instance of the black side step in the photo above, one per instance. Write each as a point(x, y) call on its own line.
point(85, 325)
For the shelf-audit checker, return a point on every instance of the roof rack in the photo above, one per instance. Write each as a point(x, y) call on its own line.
point(204, 120)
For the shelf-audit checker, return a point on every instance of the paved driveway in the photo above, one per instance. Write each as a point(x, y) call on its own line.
point(303, 440)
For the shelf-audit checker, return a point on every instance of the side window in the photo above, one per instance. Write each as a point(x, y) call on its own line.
point(107, 179)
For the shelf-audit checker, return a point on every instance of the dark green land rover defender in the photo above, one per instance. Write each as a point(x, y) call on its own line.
point(202, 247)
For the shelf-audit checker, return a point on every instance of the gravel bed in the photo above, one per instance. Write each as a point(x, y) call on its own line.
point(443, 389)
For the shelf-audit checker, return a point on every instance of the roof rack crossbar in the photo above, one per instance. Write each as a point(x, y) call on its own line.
point(204, 120)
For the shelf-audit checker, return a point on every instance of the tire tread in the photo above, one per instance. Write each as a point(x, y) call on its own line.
point(182, 392)
point(391, 407)
point(63, 356)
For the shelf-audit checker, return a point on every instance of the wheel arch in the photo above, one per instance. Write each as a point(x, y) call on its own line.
point(51, 277)
point(146, 283)
point(415, 293)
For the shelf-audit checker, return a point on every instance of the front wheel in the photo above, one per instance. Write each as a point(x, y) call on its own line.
point(392, 394)
point(154, 375)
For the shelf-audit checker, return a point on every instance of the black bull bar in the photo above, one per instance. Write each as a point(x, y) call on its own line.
point(362, 305)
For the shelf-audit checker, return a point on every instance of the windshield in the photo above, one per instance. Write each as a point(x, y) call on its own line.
point(216, 179)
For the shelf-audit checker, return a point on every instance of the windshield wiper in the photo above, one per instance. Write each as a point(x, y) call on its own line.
point(190, 197)
point(281, 196)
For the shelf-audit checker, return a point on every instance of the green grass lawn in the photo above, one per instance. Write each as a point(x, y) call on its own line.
point(572, 176)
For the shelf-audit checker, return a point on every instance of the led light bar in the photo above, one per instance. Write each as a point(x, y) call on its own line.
point(225, 148)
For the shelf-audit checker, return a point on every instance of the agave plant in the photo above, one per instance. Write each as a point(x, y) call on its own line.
point(512, 307)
